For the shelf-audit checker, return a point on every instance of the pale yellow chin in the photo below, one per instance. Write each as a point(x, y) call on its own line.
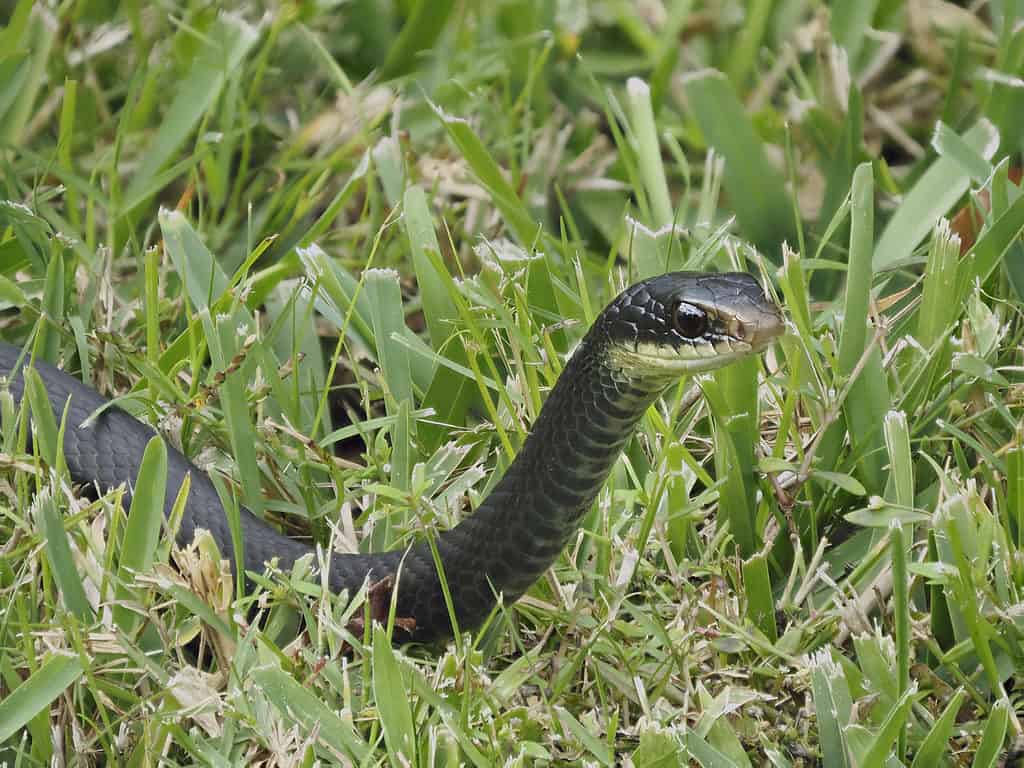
point(654, 358)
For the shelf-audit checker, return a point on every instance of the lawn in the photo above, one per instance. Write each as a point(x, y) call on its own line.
point(338, 253)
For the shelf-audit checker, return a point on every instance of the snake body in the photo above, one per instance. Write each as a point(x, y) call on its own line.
point(650, 335)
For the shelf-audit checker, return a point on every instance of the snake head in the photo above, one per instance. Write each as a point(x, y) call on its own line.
point(688, 322)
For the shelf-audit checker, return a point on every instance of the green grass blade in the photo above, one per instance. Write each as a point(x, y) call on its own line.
point(438, 309)
point(743, 53)
point(489, 173)
point(205, 281)
point(392, 702)
point(590, 742)
point(936, 743)
point(388, 318)
point(648, 151)
point(58, 552)
point(937, 312)
point(142, 530)
point(893, 728)
point(757, 583)
point(989, 250)
point(824, 676)
point(23, 76)
point(47, 435)
point(849, 21)
point(931, 197)
point(868, 399)
point(37, 692)
point(421, 30)
point(226, 46)
point(993, 737)
point(298, 705)
point(756, 189)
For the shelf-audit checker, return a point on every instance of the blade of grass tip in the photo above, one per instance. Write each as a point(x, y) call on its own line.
point(339, 296)
point(993, 737)
point(47, 435)
point(710, 192)
point(142, 530)
point(948, 143)
point(392, 700)
point(901, 490)
point(35, 694)
point(893, 728)
point(589, 741)
point(935, 319)
point(296, 704)
point(62, 563)
point(704, 753)
point(937, 313)
point(387, 316)
point(936, 743)
point(648, 150)
point(647, 249)
point(756, 189)
point(757, 589)
point(488, 173)
point(825, 674)
point(854, 334)
point(931, 197)
point(438, 309)
point(328, 63)
point(221, 53)
point(205, 281)
point(226, 356)
point(954, 519)
point(901, 466)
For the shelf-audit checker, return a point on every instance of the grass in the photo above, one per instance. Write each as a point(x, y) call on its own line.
point(339, 252)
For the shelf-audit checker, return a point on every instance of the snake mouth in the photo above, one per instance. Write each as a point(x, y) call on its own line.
point(760, 333)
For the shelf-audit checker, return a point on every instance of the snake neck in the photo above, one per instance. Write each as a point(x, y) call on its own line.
point(519, 529)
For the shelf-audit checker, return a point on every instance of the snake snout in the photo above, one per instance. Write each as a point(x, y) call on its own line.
point(763, 330)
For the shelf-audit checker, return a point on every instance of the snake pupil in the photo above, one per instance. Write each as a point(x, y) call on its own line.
point(690, 321)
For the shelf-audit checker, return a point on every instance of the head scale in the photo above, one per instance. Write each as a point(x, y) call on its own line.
point(688, 322)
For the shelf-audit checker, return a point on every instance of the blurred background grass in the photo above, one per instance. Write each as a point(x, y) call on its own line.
point(339, 250)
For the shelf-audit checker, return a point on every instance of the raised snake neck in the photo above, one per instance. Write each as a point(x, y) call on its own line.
point(503, 547)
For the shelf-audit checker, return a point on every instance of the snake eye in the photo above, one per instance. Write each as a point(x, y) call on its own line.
point(690, 321)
